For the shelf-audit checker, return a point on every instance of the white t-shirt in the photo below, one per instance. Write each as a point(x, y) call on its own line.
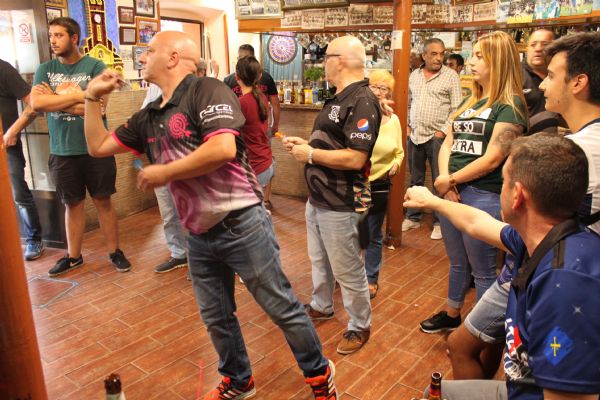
point(589, 140)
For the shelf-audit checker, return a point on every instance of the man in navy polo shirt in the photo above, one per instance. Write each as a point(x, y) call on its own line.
point(192, 133)
point(552, 318)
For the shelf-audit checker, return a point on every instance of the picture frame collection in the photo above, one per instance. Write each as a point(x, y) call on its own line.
point(143, 19)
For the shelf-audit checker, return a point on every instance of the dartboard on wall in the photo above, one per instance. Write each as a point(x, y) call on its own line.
point(282, 49)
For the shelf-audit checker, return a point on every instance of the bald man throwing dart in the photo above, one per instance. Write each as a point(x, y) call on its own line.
point(192, 132)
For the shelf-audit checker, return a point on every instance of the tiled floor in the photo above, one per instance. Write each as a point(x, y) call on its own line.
point(146, 326)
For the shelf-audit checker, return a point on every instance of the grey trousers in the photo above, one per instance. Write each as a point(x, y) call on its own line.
point(472, 390)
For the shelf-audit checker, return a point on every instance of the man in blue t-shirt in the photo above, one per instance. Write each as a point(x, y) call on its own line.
point(552, 318)
point(59, 92)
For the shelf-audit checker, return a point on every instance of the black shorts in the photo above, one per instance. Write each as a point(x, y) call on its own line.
point(72, 175)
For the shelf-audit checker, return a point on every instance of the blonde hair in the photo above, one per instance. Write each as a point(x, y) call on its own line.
point(382, 76)
point(502, 58)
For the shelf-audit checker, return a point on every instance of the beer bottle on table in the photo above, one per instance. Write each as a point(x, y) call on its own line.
point(112, 385)
point(435, 389)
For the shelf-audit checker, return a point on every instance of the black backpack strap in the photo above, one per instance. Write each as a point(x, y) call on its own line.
point(591, 219)
point(551, 241)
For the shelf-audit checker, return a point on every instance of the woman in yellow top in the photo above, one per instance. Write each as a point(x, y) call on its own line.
point(385, 162)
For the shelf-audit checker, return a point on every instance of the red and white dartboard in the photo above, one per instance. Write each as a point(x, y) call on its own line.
point(282, 49)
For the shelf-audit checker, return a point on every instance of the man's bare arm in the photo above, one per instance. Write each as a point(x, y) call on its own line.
point(43, 100)
point(27, 116)
point(470, 220)
point(99, 142)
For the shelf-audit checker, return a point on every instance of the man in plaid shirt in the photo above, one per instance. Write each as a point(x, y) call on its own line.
point(435, 94)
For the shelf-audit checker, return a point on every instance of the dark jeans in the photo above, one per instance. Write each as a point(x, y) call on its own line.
point(22, 194)
point(418, 155)
point(244, 243)
point(379, 197)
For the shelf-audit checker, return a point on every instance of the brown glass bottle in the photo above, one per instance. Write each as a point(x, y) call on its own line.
point(435, 389)
point(112, 385)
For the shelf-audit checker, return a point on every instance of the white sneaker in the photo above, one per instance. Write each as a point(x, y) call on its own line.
point(436, 233)
point(410, 224)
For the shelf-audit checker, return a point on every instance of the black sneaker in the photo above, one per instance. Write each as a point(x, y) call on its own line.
point(65, 264)
point(170, 265)
point(440, 322)
point(119, 261)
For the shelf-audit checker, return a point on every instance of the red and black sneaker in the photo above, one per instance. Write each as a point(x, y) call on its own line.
point(323, 386)
point(227, 392)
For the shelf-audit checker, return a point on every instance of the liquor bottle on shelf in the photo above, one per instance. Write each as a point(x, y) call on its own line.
point(293, 94)
point(280, 91)
point(112, 385)
point(315, 93)
point(435, 388)
point(287, 93)
point(299, 93)
point(308, 95)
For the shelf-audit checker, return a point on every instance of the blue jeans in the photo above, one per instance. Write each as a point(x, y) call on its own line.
point(174, 233)
point(468, 255)
point(21, 193)
point(376, 216)
point(334, 253)
point(244, 243)
point(418, 154)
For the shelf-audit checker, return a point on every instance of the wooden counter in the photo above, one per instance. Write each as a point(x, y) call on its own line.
point(295, 120)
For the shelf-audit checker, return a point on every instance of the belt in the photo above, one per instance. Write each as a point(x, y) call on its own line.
point(232, 219)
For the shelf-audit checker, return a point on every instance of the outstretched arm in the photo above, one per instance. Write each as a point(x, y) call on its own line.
point(470, 220)
point(99, 142)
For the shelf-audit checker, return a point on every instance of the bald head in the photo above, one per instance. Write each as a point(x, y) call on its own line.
point(181, 44)
point(351, 49)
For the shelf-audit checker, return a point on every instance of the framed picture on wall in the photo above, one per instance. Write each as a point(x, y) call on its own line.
point(126, 15)
point(145, 8)
point(127, 35)
point(56, 3)
point(146, 29)
point(136, 53)
point(304, 4)
point(52, 13)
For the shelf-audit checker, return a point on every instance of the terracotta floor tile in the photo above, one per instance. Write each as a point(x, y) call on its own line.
point(147, 327)
point(157, 382)
point(379, 379)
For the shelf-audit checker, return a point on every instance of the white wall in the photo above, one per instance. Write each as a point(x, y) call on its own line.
point(211, 13)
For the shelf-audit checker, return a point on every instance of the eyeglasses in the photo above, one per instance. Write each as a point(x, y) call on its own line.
point(328, 56)
point(383, 89)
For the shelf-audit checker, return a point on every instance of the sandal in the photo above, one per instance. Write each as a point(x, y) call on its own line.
point(373, 288)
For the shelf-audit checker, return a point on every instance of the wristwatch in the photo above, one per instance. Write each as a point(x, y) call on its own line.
point(310, 155)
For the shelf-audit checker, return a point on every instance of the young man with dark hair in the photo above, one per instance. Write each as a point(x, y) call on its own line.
point(13, 88)
point(60, 92)
point(192, 133)
point(552, 321)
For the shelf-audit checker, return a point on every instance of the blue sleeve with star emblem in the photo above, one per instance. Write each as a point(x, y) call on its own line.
point(563, 320)
point(362, 124)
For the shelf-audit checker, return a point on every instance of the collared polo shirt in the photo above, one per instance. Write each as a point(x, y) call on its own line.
point(552, 327)
point(199, 109)
point(431, 102)
point(540, 120)
point(349, 120)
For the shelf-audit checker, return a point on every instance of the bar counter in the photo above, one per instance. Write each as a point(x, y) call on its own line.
point(295, 120)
